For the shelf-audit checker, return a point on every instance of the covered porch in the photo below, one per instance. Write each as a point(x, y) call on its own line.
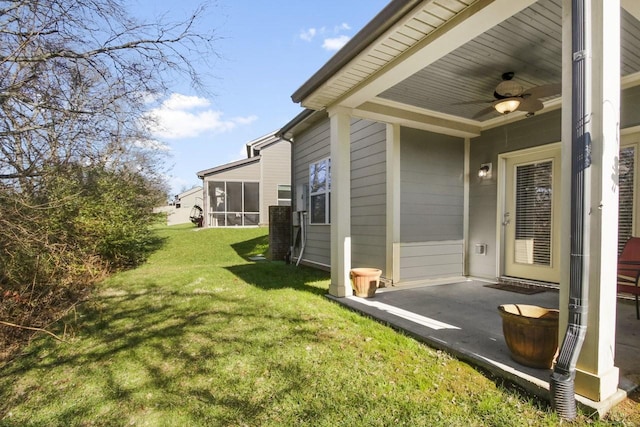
point(462, 319)
point(435, 66)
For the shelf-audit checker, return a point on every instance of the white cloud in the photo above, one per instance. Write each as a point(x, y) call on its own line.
point(151, 144)
point(342, 27)
point(182, 116)
point(308, 35)
point(335, 43)
point(177, 101)
point(246, 120)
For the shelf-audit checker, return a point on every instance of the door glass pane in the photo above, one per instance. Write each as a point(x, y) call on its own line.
point(251, 197)
point(625, 207)
point(234, 196)
point(533, 214)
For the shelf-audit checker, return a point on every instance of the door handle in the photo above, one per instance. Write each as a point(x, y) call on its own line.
point(506, 219)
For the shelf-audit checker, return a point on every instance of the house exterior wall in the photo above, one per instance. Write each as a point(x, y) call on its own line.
point(246, 172)
point(181, 215)
point(431, 205)
point(309, 147)
point(483, 194)
point(368, 194)
point(275, 164)
point(432, 192)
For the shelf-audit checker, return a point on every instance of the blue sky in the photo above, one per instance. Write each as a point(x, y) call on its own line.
point(267, 50)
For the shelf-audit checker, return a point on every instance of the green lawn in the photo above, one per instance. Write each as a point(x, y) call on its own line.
point(201, 336)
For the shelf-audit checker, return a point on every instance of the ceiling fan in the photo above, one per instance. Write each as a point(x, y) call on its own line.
point(510, 96)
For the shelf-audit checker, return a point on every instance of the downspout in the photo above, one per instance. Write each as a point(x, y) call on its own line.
point(303, 238)
point(562, 383)
point(292, 240)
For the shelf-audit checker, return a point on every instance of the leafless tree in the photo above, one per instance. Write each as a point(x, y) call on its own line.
point(75, 76)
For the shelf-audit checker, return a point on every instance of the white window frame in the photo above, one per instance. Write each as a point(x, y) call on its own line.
point(325, 191)
point(284, 202)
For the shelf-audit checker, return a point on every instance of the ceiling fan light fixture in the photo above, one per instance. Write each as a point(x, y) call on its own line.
point(507, 105)
point(509, 88)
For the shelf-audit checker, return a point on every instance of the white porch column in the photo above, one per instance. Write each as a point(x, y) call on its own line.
point(596, 376)
point(340, 122)
point(393, 202)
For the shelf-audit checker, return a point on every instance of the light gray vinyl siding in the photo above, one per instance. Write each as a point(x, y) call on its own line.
point(309, 147)
point(629, 111)
point(248, 172)
point(431, 260)
point(275, 161)
point(368, 194)
point(432, 187)
point(431, 205)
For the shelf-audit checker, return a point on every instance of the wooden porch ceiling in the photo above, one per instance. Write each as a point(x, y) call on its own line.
point(444, 54)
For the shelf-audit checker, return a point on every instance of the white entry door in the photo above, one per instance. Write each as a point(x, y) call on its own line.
point(531, 216)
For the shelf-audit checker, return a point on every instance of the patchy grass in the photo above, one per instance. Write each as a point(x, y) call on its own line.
point(200, 335)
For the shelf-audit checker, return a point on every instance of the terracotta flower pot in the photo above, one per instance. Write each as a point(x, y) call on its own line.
point(531, 333)
point(365, 281)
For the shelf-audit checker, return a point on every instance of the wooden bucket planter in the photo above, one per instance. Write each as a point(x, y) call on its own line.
point(365, 281)
point(531, 333)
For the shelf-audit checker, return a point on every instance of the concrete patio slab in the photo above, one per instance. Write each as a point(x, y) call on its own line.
point(462, 319)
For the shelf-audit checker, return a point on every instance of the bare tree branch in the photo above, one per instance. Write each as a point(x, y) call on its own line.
point(31, 328)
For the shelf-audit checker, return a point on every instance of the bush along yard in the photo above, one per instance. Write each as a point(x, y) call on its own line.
point(199, 335)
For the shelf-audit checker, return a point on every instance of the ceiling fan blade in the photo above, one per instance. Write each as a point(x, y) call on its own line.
point(530, 105)
point(543, 91)
point(483, 112)
point(477, 101)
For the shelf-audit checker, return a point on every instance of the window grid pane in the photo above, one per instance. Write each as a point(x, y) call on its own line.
point(284, 192)
point(319, 195)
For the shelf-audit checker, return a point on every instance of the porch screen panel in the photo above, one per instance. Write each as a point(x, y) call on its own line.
point(217, 196)
point(234, 196)
point(251, 203)
point(533, 213)
point(234, 203)
point(625, 195)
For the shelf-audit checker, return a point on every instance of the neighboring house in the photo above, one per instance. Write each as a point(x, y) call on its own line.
point(402, 161)
point(239, 194)
point(182, 207)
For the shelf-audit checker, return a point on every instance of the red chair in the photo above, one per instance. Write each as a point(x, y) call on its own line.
point(629, 270)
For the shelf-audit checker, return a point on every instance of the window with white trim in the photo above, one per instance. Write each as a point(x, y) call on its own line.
point(320, 192)
point(284, 195)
